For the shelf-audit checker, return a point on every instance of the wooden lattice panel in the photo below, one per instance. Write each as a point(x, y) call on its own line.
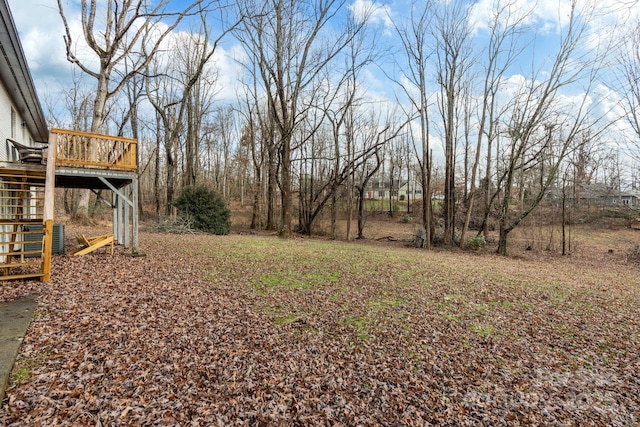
point(21, 208)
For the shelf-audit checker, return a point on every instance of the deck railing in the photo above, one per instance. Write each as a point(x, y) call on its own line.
point(89, 150)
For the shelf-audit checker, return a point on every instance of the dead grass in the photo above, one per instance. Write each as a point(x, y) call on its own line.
point(258, 330)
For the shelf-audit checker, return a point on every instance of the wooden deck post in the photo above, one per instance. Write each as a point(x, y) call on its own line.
point(120, 208)
point(126, 218)
point(114, 214)
point(134, 215)
point(48, 209)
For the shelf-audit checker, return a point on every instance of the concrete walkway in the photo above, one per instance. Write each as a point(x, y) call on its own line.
point(15, 317)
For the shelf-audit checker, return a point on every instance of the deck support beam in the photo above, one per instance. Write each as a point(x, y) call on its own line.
point(48, 209)
point(127, 228)
point(134, 216)
point(125, 215)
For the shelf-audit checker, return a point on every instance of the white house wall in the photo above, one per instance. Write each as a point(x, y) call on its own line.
point(11, 130)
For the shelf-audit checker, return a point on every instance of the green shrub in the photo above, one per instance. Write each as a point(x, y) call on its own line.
point(205, 209)
point(477, 242)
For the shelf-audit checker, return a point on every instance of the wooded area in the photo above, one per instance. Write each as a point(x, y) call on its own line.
point(488, 125)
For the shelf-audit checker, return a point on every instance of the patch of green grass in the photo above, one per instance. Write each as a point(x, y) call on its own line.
point(24, 366)
point(285, 320)
point(383, 303)
point(271, 281)
point(483, 330)
point(360, 325)
point(456, 298)
point(452, 318)
point(294, 280)
point(20, 375)
point(481, 308)
point(373, 290)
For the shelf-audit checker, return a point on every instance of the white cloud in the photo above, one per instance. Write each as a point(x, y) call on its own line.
point(230, 70)
point(41, 34)
point(544, 16)
point(371, 12)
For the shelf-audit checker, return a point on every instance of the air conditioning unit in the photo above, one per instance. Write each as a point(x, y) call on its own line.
point(57, 242)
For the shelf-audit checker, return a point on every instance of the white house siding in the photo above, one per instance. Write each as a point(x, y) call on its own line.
point(11, 127)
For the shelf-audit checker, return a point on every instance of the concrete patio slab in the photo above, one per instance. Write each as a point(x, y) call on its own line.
point(15, 317)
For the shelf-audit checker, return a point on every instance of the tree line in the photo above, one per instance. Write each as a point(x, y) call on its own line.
point(513, 120)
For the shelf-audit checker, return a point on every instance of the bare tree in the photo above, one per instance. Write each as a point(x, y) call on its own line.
point(541, 130)
point(256, 112)
point(370, 136)
point(630, 77)
point(128, 25)
point(340, 105)
point(225, 118)
point(452, 35)
point(289, 42)
point(170, 90)
point(77, 103)
point(418, 48)
point(505, 29)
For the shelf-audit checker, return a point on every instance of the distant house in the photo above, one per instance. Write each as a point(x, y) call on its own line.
point(630, 198)
point(379, 189)
point(410, 190)
point(601, 195)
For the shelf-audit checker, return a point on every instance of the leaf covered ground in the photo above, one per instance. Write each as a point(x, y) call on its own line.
point(256, 330)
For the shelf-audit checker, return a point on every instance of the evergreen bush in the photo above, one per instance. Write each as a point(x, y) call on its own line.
point(205, 209)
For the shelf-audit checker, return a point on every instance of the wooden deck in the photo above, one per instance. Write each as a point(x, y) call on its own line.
point(27, 193)
point(89, 150)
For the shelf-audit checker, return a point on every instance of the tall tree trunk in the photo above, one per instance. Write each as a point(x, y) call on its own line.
point(156, 172)
point(134, 133)
point(188, 178)
point(82, 213)
point(256, 221)
point(360, 211)
point(271, 186)
point(170, 177)
point(286, 227)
